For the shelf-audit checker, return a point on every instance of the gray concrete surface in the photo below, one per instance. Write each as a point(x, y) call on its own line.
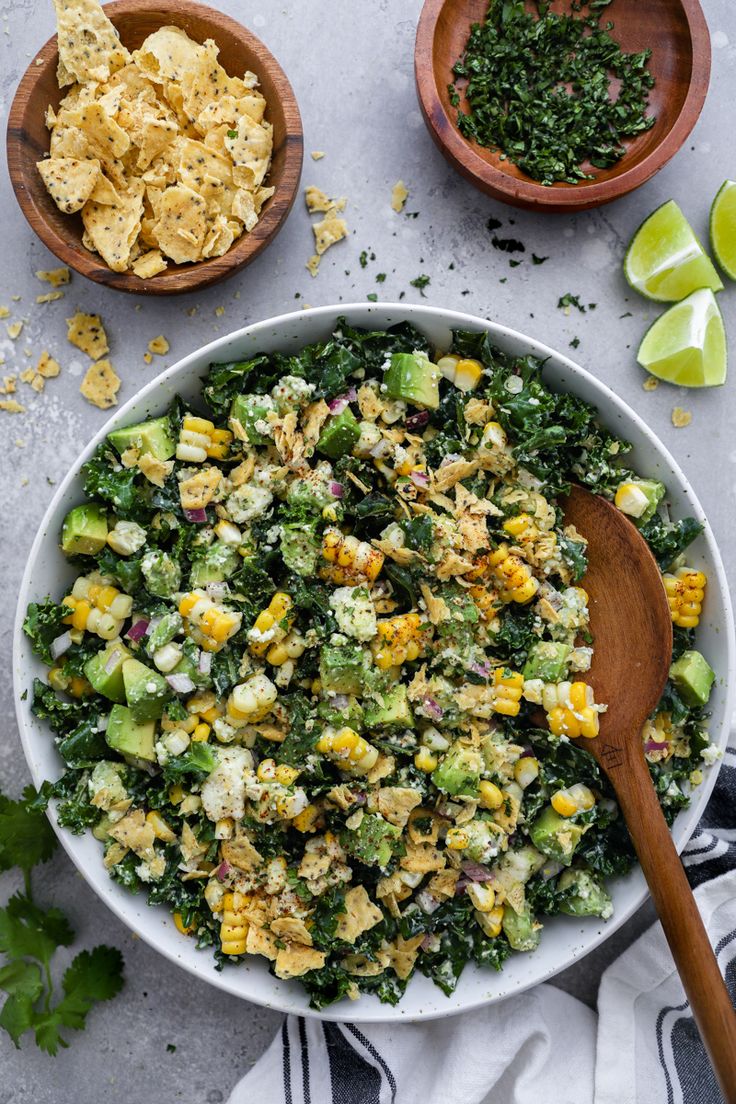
point(351, 68)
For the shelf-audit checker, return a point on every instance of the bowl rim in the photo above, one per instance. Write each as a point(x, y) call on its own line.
point(181, 279)
point(557, 198)
point(363, 314)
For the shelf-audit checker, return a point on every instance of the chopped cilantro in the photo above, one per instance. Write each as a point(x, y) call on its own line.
point(372, 296)
point(380, 277)
point(421, 282)
point(538, 260)
point(508, 245)
point(569, 300)
point(575, 342)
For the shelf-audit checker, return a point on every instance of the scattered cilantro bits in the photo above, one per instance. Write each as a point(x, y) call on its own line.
point(421, 282)
point(568, 300)
point(539, 88)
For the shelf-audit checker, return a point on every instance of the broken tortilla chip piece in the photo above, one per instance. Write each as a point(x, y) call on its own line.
point(182, 224)
point(88, 334)
point(54, 276)
point(113, 228)
point(328, 232)
point(101, 384)
point(68, 181)
point(149, 264)
point(89, 46)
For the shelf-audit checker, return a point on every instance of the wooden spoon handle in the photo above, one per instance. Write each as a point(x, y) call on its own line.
point(683, 927)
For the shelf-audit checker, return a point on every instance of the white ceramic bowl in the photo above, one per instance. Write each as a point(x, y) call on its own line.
point(564, 939)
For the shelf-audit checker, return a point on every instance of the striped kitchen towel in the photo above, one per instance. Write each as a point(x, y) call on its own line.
point(642, 1047)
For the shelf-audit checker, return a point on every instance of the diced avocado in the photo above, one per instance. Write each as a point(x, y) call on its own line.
point(339, 435)
point(547, 661)
point(146, 690)
point(84, 531)
point(249, 409)
point(164, 631)
point(131, 738)
point(373, 841)
point(188, 665)
point(459, 770)
point(520, 928)
point(161, 572)
point(693, 677)
point(219, 562)
point(152, 437)
point(395, 711)
point(584, 895)
point(313, 492)
point(350, 715)
point(105, 671)
point(639, 498)
point(556, 836)
point(414, 378)
point(300, 546)
point(343, 669)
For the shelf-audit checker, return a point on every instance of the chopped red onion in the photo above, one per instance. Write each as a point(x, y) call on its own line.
point(656, 745)
point(112, 660)
point(336, 489)
point(382, 449)
point(338, 404)
point(204, 663)
point(222, 871)
point(139, 630)
point(198, 516)
point(450, 459)
point(419, 479)
point(339, 701)
point(418, 420)
point(428, 941)
point(433, 709)
point(61, 644)
point(482, 669)
point(475, 871)
point(551, 869)
point(180, 684)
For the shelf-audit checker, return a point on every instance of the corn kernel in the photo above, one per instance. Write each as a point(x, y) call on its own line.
point(491, 922)
point(161, 829)
point(201, 732)
point(285, 774)
point(185, 929)
point(526, 771)
point(306, 820)
point(425, 761)
point(482, 896)
point(490, 795)
point(456, 839)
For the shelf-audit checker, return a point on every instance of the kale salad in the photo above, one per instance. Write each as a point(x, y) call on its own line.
point(319, 686)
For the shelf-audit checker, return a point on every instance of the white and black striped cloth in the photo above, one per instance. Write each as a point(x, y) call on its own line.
point(640, 1048)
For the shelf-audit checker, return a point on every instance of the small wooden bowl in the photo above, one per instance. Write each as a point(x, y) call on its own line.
point(678, 35)
point(28, 141)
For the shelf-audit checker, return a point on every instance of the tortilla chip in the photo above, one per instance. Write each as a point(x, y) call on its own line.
point(14, 330)
point(55, 276)
point(101, 384)
point(156, 135)
point(317, 200)
point(89, 47)
point(68, 141)
point(113, 228)
point(206, 172)
point(149, 264)
point(251, 147)
point(167, 54)
point(399, 196)
point(158, 345)
point(107, 139)
point(328, 232)
point(50, 296)
point(68, 181)
point(47, 366)
point(88, 334)
point(104, 192)
point(11, 406)
point(220, 237)
point(204, 82)
point(182, 224)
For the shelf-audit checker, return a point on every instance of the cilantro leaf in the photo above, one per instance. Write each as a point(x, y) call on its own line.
point(93, 976)
point(26, 931)
point(26, 837)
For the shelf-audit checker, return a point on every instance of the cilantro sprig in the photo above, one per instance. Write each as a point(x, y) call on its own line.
point(30, 936)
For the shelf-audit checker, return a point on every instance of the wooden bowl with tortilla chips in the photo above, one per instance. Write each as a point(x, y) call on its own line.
point(107, 202)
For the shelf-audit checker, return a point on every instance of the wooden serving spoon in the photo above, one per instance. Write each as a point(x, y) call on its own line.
point(632, 626)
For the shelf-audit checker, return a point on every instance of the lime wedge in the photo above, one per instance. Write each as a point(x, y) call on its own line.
point(687, 344)
point(723, 228)
point(665, 260)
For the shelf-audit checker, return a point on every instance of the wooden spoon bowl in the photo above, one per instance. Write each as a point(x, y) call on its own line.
point(28, 142)
point(632, 629)
point(680, 63)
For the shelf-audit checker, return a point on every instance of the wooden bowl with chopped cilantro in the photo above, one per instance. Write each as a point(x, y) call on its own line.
point(560, 106)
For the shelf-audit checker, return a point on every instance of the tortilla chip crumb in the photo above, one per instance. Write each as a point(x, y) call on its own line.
point(50, 297)
point(317, 200)
point(651, 383)
point(10, 406)
point(4, 312)
point(88, 334)
point(219, 311)
point(313, 265)
point(47, 366)
point(317, 155)
point(399, 196)
point(681, 418)
point(158, 345)
point(148, 359)
point(27, 375)
point(14, 330)
point(101, 384)
point(329, 231)
point(191, 311)
point(55, 276)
